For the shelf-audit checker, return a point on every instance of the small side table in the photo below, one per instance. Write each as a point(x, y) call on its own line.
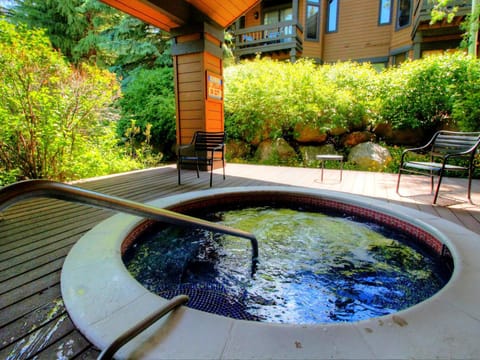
point(329, 157)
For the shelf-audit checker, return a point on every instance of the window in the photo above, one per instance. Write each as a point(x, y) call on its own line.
point(332, 16)
point(385, 13)
point(404, 13)
point(275, 16)
point(313, 20)
point(270, 17)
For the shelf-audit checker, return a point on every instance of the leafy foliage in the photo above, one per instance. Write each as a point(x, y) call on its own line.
point(266, 99)
point(73, 26)
point(442, 9)
point(466, 106)
point(424, 93)
point(90, 31)
point(149, 100)
point(54, 119)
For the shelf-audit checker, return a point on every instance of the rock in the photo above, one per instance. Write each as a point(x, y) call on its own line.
point(309, 134)
point(370, 156)
point(338, 131)
point(309, 152)
point(237, 150)
point(411, 137)
point(275, 151)
point(357, 137)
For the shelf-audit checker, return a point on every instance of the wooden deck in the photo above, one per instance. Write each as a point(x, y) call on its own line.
point(36, 235)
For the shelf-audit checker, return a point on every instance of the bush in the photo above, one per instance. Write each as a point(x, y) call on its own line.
point(149, 98)
point(424, 93)
point(267, 99)
point(466, 106)
point(54, 118)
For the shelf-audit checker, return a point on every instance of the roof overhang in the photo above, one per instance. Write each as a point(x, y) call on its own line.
point(170, 14)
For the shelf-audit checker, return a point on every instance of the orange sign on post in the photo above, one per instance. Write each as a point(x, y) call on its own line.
point(214, 86)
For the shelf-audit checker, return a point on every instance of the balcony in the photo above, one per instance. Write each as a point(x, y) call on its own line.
point(284, 36)
point(422, 15)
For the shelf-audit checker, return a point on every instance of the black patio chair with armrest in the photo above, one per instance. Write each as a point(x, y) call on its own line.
point(202, 151)
point(442, 148)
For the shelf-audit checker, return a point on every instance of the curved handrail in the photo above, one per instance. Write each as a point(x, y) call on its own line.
point(27, 189)
point(128, 335)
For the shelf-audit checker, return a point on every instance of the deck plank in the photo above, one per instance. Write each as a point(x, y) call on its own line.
point(28, 323)
point(36, 235)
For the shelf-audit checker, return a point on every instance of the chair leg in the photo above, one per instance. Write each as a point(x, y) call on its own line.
point(179, 165)
point(211, 173)
point(198, 170)
point(469, 187)
point(398, 181)
point(223, 165)
point(440, 176)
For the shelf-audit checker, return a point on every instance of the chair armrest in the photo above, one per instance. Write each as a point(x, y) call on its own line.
point(417, 150)
point(184, 147)
point(218, 147)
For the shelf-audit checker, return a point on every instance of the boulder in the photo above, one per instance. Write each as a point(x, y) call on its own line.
point(357, 137)
point(310, 152)
point(237, 150)
point(411, 137)
point(338, 131)
point(309, 134)
point(370, 156)
point(275, 151)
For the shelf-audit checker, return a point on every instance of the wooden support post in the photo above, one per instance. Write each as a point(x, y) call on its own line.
point(197, 57)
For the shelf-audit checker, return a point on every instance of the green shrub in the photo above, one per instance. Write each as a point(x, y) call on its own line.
point(149, 98)
point(466, 106)
point(266, 99)
point(53, 117)
point(424, 93)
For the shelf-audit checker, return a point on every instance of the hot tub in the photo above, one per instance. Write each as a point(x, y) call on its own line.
point(103, 299)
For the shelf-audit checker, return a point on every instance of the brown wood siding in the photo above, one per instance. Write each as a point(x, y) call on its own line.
point(190, 91)
point(311, 48)
point(359, 36)
point(250, 20)
point(400, 38)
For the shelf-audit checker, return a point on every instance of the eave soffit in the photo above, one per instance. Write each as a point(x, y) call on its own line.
point(168, 14)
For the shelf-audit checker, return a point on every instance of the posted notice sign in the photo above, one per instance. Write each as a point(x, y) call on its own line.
point(214, 86)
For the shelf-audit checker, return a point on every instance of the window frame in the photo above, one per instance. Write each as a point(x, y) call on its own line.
point(390, 12)
point(327, 23)
point(313, 3)
point(277, 9)
point(397, 18)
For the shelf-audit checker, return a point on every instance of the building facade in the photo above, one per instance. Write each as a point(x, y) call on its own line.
point(383, 32)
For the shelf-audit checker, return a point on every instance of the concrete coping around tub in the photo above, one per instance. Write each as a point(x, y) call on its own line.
point(104, 300)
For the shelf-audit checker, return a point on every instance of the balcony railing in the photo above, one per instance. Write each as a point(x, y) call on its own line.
point(282, 36)
point(423, 9)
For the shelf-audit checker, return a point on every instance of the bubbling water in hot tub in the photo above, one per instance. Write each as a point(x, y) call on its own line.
point(314, 267)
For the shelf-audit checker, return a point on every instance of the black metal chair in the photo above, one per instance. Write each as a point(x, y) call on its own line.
point(442, 148)
point(202, 151)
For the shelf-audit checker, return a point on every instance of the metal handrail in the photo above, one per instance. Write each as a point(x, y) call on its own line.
point(22, 190)
point(128, 335)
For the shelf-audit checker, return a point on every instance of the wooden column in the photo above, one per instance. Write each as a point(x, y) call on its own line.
point(197, 57)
